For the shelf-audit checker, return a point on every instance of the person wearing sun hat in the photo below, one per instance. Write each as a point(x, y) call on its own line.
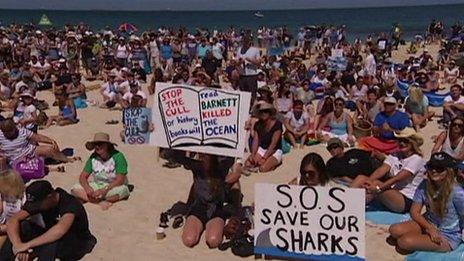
point(439, 229)
point(25, 112)
point(63, 234)
point(108, 168)
point(393, 184)
point(266, 151)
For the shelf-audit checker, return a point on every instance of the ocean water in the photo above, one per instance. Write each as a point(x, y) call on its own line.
point(360, 21)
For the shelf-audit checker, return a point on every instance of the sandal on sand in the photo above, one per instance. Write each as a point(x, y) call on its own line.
point(74, 159)
point(112, 122)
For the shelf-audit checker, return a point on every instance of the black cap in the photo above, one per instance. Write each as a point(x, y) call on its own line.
point(441, 160)
point(38, 191)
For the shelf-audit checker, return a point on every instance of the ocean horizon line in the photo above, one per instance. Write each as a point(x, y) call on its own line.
point(231, 10)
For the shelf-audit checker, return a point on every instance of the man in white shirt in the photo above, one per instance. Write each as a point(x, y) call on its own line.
point(249, 59)
point(134, 90)
point(454, 104)
point(109, 90)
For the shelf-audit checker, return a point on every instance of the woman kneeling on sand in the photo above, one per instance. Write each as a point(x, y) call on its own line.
point(108, 168)
point(439, 228)
point(210, 185)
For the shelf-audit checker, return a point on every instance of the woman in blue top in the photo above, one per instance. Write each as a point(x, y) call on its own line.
point(67, 114)
point(166, 53)
point(340, 124)
point(439, 229)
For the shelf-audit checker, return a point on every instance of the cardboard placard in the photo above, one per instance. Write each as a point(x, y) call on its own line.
point(137, 125)
point(201, 119)
point(316, 223)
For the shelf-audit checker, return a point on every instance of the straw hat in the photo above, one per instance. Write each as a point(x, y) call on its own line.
point(99, 138)
point(411, 134)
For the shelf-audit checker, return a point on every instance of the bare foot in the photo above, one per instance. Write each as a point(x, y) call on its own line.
point(105, 205)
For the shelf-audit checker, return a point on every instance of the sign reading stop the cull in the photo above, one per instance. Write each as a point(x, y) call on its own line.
point(317, 223)
point(137, 125)
point(200, 119)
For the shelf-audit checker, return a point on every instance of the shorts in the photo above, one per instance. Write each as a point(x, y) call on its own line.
point(199, 211)
point(407, 204)
point(122, 191)
point(343, 137)
point(277, 154)
point(111, 95)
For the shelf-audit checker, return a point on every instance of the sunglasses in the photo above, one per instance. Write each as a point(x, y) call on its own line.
point(339, 104)
point(436, 170)
point(460, 124)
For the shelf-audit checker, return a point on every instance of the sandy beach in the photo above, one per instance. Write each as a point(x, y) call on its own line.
point(127, 230)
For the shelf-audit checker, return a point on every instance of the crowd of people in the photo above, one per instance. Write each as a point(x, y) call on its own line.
point(314, 87)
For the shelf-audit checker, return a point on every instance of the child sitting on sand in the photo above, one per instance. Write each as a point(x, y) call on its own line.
point(296, 124)
point(25, 113)
point(439, 230)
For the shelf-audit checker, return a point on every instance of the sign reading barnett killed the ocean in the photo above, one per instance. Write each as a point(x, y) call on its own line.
point(316, 223)
point(137, 125)
point(200, 119)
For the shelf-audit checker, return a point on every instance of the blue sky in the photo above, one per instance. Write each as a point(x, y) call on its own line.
point(206, 4)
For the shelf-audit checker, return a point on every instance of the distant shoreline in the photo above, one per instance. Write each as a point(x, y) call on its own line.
point(232, 10)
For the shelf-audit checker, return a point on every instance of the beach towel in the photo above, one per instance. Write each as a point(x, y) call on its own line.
point(286, 146)
point(436, 99)
point(378, 214)
point(80, 103)
point(403, 88)
point(457, 254)
point(372, 143)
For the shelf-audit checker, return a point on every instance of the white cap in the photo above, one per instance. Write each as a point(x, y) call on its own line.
point(389, 99)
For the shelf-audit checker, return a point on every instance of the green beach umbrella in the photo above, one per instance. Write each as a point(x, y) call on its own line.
point(45, 21)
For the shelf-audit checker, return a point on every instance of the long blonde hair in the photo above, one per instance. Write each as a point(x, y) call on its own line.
point(11, 184)
point(439, 194)
point(416, 95)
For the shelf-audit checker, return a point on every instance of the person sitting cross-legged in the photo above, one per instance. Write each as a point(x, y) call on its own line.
point(62, 232)
point(108, 167)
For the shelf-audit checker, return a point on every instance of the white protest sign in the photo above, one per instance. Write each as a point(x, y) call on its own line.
point(200, 119)
point(317, 223)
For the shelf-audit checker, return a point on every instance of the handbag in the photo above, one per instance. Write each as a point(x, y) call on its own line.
point(30, 168)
